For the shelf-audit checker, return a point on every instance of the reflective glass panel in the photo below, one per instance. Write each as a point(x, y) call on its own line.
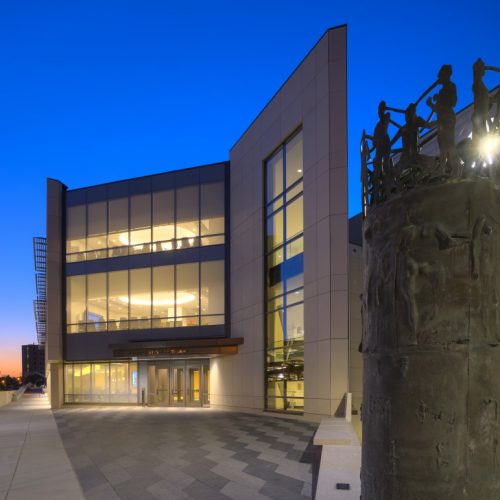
point(294, 162)
point(275, 230)
point(118, 235)
point(274, 176)
point(294, 217)
point(68, 379)
point(275, 328)
point(187, 214)
point(163, 218)
point(140, 219)
point(96, 226)
point(75, 301)
point(140, 297)
point(96, 302)
point(118, 300)
point(118, 379)
point(100, 380)
point(75, 229)
point(163, 296)
point(295, 322)
point(212, 287)
point(212, 208)
point(86, 383)
point(187, 292)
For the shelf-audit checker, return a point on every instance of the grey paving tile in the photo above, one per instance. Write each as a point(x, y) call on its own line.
point(165, 490)
point(239, 491)
point(206, 476)
point(102, 492)
point(136, 488)
point(90, 477)
point(276, 491)
point(153, 453)
point(200, 491)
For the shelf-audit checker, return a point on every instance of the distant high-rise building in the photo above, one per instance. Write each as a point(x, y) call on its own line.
point(33, 359)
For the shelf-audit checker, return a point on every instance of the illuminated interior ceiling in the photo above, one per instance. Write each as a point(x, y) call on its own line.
point(181, 232)
point(161, 299)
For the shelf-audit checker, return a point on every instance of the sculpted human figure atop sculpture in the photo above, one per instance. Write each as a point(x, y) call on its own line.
point(409, 132)
point(483, 101)
point(443, 104)
point(382, 145)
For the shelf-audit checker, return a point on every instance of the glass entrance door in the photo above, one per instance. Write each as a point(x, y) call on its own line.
point(205, 395)
point(177, 384)
point(163, 391)
point(194, 383)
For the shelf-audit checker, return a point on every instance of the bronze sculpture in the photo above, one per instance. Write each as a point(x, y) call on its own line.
point(398, 165)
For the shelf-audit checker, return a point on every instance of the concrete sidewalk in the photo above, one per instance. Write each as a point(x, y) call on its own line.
point(33, 461)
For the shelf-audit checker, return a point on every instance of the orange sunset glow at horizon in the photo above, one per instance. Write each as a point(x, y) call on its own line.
point(10, 362)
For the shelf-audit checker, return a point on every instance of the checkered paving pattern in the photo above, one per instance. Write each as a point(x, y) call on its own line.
point(146, 453)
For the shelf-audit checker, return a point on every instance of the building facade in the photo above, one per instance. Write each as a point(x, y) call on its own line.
point(33, 360)
point(224, 285)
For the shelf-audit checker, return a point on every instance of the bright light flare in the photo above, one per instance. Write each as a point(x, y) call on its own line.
point(489, 147)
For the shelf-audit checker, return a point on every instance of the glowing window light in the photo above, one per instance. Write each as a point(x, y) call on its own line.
point(161, 299)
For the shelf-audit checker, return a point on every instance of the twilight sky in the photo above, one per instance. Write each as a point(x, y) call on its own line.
point(97, 91)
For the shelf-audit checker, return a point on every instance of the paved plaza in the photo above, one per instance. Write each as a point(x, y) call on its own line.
point(155, 453)
point(33, 462)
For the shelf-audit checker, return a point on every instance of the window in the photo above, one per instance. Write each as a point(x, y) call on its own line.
point(140, 223)
point(163, 220)
point(118, 236)
point(153, 222)
point(100, 382)
point(212, 292)
point(96, 229)
point(163, 297)
point(187, 296)
point(187, 216)
point(284, 278)
point(76, 303)
point(212, 212)
point(157, 297)
point(76, 229)
point(117, 300)
point(140, 298)
point(97, 314)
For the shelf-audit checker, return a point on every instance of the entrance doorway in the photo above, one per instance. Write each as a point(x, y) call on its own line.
point(179, 383)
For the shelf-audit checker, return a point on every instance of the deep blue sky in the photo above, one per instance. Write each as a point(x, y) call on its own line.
point(97, 91)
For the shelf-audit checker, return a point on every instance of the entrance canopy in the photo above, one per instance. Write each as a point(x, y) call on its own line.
point(177, 348)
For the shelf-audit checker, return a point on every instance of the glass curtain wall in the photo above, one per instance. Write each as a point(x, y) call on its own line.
point(101, 382)
point(284, 278)
point(158, 297)
point(154, 222)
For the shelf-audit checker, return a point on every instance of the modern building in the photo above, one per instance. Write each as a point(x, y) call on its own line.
point(33, 360)
point(225, 285)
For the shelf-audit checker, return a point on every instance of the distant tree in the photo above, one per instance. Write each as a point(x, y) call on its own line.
point(9, 383)
point(36, 379)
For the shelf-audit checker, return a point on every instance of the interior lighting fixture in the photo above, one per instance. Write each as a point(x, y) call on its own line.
point(161, 299)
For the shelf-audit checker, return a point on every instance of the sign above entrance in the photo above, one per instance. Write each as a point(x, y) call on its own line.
point(180, 348)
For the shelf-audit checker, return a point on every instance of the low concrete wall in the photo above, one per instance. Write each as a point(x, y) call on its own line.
point(339, 470)
point(6, 397)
